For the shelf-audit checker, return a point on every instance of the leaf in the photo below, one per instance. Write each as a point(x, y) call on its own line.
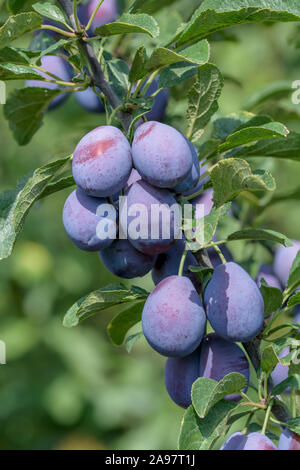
point(16, 6)
point(294, 425)
point(16, 56)
point(231, 176)
point(98, 301)
point(271, 354)
point(203, 100)
point(273, 91)
point(131, 340)
point(138, 69)
point(254, 134)
point(294, 300)
point(122, 322)
point(207, 392)
point(200, 434)
point(58, 185)
point(234, 122)
point(176, 73)
point(161, 57)
point(18, 25)
point(118, 72)
point(207, 226)
point(149, 6)
point(272, 297)
point(53, 12)
point(18, 72)
point(25, 109)
point(260, 234)
point(214, 15)
point(293, 381)
point(294, 275)
point(289, 148)
point(127, 23)
point(15, 204)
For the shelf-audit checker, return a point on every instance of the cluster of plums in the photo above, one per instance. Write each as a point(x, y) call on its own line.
point(257, 441)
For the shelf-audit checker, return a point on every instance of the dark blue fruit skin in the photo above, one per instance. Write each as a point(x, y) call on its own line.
point(102, 162)
point(143, 193)
point(167, 264)
point(252, 441)
point(219, 357)
point(161, 154)
point(193, 177)
point(173, 319)
point(180, 374)
point(90, 101)
point(283, 261)
point(123, 260)
point(59, 67)
point(234, 304)
point(289, 441)
point(80, 221)
point(158, 111)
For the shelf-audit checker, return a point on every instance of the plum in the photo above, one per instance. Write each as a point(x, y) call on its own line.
point(252, 441)
point(219, 357)
point(283, 261)
point(161, 154)
point(280, 373)
point(123, 260)
point(147, 232)
point(289, 440)
point(102, 162)
point(107, 13)
point(173, 319)
point(266, 272)
point(234, 304)
point(193, 177)
point(158, 110)
point(60, 68)
point(90, 101)
point(81, 219)
point(180, 374)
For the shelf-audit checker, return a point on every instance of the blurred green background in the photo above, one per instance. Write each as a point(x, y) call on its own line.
point(72, 389)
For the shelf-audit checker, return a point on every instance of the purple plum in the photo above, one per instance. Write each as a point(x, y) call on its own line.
point(252, 441)
point(107, 13)
point(266, 272)
point(193, 177)
point(90, 101)
point(289, 440)
point(283, 261)
point(280, 373)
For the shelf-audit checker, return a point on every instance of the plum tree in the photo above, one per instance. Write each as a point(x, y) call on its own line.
point(173, 319)
point(283, 261)
point(80, 220)
point(252, 441)
point(107, 13)
point(123, 260)
point(90, 101)
point(161, 154)
point(289, 440)
point(167, 264)
point(281, 372)
point(219, 357)
point(158, 110)
point(266, 272)
point(180, 374)
point(102, 162)
point(234, 304)
point(147, 233)
point(60, 68)
point(192, 179)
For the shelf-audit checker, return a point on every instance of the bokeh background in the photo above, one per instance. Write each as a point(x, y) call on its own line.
point(72, 389)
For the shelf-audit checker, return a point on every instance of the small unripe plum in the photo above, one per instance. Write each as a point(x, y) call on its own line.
point(167, 264)
point(252, 441)
point(123, 260)
point(90, 101)
point(161, 154)
point(180, 374)
point(193, 177)
point(219, 357)
point(102, 162)
point(80, 220)
point(173, 318)
point(150, 235)
point(60, 68)
point(289, 440)
point(266, 272)
point(283, 261)
point(234, 304)
point(107, 13)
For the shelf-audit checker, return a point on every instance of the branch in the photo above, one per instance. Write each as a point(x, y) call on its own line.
point(97, 72)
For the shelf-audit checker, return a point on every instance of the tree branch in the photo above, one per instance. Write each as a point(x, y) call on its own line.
point(97, 72)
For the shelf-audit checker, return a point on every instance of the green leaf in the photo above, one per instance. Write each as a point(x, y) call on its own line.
point(214, 15)
point(16, 56)
point(149, 6)
point(58, 184)
point(127, 23)
point(260, 234)
point(207, 392)
point(161, 57)
point(176, 73)
point(122, 322)
point(273, 91)
point(18, 25)
point(18, 72)
point(15, 204)
point(207, 226)
point(131, 340)
point(203, 100)
point(53, 12)
point(98, 301)
point(294, 425)
point(254, 134)
point(272, 297)
point(271, 354)
point(231, 176)
point(200, 434)
point(138, 69)
point(292, 381)
point(294, 275)
point(25, 109)
point(16, 6)
point(294, 300)
point(234, 122)
point(118, 75)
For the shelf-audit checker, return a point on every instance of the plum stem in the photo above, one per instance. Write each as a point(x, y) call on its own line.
point(182, 261)
point(221, 256)
point(267, 417)
point(58, 30)
point(93, 15)
point(75, 15)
